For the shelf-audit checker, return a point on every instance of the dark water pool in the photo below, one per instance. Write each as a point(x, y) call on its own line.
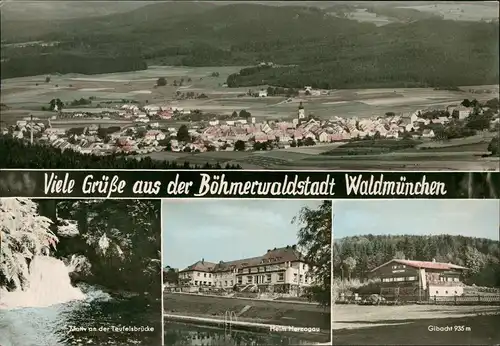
point(177, 334)
point(52, 326)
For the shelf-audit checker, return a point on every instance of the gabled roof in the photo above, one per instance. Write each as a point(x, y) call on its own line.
point(275, 256)
point(423, 265)
point(201, 266)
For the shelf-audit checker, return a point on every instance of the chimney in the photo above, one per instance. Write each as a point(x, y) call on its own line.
point(433, 260)
point(268, 250)
point(202, 261)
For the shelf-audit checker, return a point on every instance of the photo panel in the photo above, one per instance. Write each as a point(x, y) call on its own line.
point(80, 272)
point(246, 272)
point(416, 272)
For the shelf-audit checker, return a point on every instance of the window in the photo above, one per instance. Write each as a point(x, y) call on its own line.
point(456, 292)
point(303, 267)
point(209, 283)
point(231, 282)
point(196, 283)
point(268, 277)
point(411, 278)
point(446, 292)
point(240, 280)
point(437, 292)
point(456, 279)
point(301, 279)
point(385, 280)
point(249, 279)
point(225, 283)
point(294, 277)
point(281, 277)
point(399, 279)
point(204, 283)
point(198, 274)
point(204, 275)
point(209, 275)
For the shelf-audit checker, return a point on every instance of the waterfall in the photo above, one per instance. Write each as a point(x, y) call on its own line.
point(49, 284)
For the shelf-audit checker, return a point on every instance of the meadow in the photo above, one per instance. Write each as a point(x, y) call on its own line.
point(32, 93)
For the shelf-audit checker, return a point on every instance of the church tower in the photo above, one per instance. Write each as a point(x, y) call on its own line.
point(302, 113)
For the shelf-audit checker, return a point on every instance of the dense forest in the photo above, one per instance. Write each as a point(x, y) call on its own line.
point(310, 46)
point(119, 239)
point(16, 153)
point(354, 257)
point(33, 65)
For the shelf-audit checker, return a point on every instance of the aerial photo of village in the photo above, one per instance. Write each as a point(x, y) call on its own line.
point(260, 98)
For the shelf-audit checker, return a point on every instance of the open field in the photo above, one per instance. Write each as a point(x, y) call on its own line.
point(461, 11)
point(403, 325)
point(446, 158)
point(32, 93)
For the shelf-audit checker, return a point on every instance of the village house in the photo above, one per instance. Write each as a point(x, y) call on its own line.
point(281, 270)
point(428, 133)
point(408, 279)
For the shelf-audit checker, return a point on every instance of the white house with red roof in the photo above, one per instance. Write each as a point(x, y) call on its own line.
point(407, 277)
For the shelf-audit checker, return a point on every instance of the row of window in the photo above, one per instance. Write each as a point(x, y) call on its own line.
point(250, 279)
point(260, 279)
point(446, 292)
point(414, 278)
point(399, 266)
point(261, 269)
point(448, 279)
point(399, 279)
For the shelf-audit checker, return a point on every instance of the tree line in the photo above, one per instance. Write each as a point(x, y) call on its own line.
point(69, 63)
point(16, 153)
point(349, 55)
point(354, 257)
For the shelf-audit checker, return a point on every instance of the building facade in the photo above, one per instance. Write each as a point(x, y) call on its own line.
point(278, 270)
point(419, 279)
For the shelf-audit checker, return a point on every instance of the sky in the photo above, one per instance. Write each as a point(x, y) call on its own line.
point(472, 218)
point(225, 230)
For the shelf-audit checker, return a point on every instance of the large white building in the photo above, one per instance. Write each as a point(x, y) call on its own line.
point(279, 270)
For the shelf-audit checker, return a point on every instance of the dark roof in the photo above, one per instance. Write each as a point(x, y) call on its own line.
point(423, 265)
point(274, 256)
point(201, 266)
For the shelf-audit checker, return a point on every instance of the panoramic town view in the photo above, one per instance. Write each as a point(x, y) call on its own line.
point(252, 86)
point(431, 283)
point(231, 278)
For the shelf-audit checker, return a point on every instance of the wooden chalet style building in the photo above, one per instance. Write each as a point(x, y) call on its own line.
point(415, 280)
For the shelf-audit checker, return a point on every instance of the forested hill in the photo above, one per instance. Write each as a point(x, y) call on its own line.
point(325, 50)
point(360, 254)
